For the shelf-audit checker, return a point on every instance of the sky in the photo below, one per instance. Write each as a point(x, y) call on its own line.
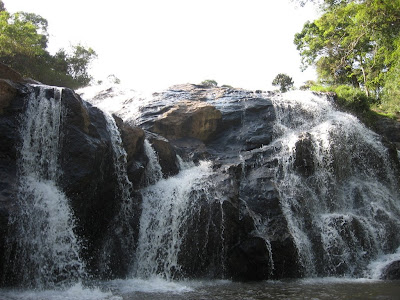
point(153, 44)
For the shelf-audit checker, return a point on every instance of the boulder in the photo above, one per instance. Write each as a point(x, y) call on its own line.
point(392, 271)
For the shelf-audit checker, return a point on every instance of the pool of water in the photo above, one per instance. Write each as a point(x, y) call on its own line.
point(154, 289)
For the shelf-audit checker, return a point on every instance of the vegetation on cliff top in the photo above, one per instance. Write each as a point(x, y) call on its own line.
point(23, 46)
point(284, 82)
point(356, 44)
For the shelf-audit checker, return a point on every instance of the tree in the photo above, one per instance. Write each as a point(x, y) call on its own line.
point(284, 81)
point(352, 42)
point(23, 46)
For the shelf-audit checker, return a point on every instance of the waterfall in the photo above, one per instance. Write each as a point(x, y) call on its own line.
point(46, 250)
point(167, 207)
point(153, 170)
point(338, 191)
point(121, 231)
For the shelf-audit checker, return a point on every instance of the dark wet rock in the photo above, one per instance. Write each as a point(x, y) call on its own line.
point(12, 97)
point(133, 139)
point(304, 159)
point(166, 155)
point(250, 260)
point(392, 271)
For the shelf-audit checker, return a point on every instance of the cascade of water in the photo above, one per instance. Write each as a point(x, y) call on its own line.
point(153, 170)
point(167, 206)
point(47, 251)
point(122, 229)
point(343, 206)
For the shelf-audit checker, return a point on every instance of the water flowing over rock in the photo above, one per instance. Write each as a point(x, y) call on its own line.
point(292, 167)
point(200, 182)
point(53, 223)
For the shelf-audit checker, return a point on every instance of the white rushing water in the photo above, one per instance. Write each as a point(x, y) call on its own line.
point(344, 212)
point(153, 171)
point(47, 250)
point(166, 207)
point(116, 99)
point(121, 231)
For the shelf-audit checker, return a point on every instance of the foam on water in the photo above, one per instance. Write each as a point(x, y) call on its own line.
point(152, 285)
point(75, 292)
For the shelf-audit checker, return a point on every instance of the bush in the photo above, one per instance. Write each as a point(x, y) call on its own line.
point(348, 97)
point(353, 98)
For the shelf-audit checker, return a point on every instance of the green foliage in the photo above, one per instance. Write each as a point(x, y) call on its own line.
point(284, 82)
point(209, 83)
point(352, 42)
point(348, 97)
point(307, 85)
point(19, 37)
point(23, 44)
point(353, 98)
point(391, 92)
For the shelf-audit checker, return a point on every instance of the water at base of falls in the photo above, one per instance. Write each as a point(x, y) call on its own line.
point(43, 249)
point(159, 289)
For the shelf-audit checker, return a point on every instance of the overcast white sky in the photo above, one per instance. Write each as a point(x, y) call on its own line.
point(153, 44)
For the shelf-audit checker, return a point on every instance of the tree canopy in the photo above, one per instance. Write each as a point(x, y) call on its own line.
point(284, 82)
point(355, 43)
point(23, 46)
